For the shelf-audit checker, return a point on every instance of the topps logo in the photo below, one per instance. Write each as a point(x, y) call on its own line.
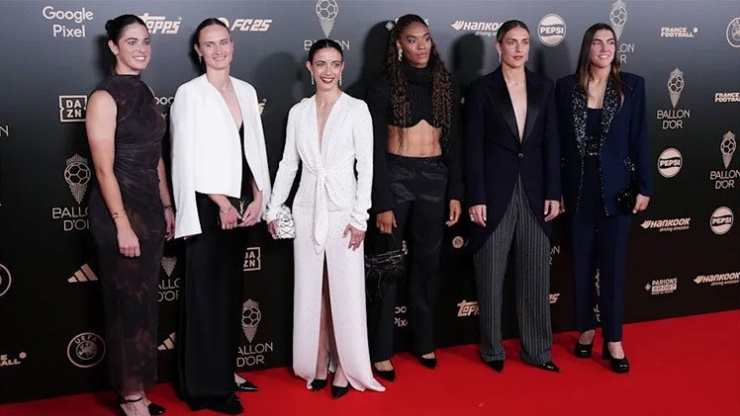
point(160, 24)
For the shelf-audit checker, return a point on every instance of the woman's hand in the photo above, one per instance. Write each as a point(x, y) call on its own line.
point(169, 220)
point(552, 209)
point(128, 242)
point(455, 211)
point(641, 203)
point(356, 236)
point(251, 214)
point(386, 222)
point(272, 228)
point(228, 217)
point(478, 214)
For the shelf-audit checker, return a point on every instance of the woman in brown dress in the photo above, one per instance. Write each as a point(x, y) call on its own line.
point(130, 212)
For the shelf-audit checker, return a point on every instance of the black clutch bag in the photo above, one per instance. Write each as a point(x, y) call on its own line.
point(627, 197)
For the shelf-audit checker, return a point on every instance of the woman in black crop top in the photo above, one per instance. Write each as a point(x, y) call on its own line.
point(416, 181)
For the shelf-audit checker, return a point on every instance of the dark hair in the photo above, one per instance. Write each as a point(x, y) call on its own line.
point(114, 27)
point(204, 24)
point(507, 26)
point(323, 44)
point(584, 61)
point(442, 88)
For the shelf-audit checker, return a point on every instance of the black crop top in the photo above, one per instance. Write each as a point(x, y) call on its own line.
point(419, 92)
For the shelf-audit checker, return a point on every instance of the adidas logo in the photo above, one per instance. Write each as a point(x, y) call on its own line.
point(85, 274)
point(168, 344)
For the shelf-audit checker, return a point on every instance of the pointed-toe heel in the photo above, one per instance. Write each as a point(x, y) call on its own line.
point(430, 363)
point(337, 392)
point(389, 375)
point(318, 384)
point(497, 365)
point(155, 409)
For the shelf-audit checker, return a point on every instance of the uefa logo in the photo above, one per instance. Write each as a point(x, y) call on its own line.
point(86, 350)
point(675, 86)
point(733, 33)
point(168, 264)
point(551, 30)
point(5, 280)
point(727, 147)
point(618, 17)
point(327, 11)
point(77, 174)
point(251, 317)
point(670, 162)
point(722, 220)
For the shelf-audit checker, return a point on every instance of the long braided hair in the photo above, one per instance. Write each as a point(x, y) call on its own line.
point(442, 88)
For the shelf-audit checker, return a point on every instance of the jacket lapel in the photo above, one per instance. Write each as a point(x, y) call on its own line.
point(534, 98)
point(502, 101)
point(580, 105)
point(610, 107)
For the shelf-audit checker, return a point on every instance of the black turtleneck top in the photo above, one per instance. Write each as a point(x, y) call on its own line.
point(419, 94)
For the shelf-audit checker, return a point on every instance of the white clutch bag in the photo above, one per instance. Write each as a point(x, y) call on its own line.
point(285, 224)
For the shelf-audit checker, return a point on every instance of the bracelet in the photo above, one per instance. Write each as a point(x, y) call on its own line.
point(169, 207)
point(116, 215)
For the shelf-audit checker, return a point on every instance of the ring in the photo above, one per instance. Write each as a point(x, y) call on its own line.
point(472, 217)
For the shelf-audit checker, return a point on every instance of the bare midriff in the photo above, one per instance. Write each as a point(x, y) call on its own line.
point(420, 140)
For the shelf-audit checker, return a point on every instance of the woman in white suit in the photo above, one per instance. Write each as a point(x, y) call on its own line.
point(221, 183)
point(329, 133)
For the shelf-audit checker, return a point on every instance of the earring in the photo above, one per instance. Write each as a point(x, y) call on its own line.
point(200, 58)
point(313, 82)
point(400, 55)
point(340, 80)
point(499, 57)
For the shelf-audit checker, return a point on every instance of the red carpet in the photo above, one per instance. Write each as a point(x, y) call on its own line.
point(685, 366)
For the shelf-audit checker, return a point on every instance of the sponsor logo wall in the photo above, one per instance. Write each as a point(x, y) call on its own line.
point(683, 250)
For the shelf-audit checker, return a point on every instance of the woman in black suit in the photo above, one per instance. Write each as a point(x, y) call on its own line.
point(603, 124)
point(512, 182)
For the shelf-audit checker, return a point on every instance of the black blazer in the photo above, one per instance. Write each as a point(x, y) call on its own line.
point(624, 141)
point(494, 158)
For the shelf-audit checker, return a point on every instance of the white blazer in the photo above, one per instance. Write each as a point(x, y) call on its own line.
point(206, 154)
point(328, 181)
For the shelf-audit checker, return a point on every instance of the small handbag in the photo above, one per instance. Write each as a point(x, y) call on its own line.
point(627, 197)
point(285, 224)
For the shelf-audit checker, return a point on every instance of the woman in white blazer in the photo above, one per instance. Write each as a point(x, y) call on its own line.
point(330, 134)
point(221, 182)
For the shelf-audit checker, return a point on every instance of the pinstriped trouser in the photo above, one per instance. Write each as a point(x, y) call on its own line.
point(531, 246)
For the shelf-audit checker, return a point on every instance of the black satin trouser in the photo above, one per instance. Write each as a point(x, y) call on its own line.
point(418, 186)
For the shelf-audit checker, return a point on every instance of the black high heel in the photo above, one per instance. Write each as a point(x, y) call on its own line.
point(430, 363)
point(155, 409)
point(389, 375)
point(617, 365)
point(337, 392)
point(317, 384)
point(583, 350)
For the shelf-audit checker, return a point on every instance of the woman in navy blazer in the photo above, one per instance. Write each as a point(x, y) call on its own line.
point(603, 124)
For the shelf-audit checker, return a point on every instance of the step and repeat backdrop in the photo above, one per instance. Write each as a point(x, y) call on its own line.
point(684, 255)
